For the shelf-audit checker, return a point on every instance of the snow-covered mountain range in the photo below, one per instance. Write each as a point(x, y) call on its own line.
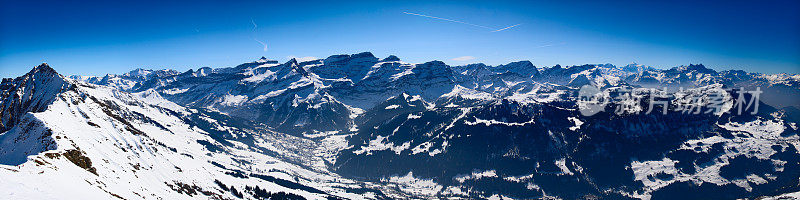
point(360, 127)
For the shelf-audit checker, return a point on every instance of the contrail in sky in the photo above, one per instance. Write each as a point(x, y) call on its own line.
point(262, 43)
point(450, 20)
point(255, 26)
point(506, 28)
point(550, 45)
point(460, 22)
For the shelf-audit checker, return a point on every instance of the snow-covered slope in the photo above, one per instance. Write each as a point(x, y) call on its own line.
point(355, 126)
point(96, 142)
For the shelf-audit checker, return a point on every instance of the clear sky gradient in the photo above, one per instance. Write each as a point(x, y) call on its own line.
point(96, 38)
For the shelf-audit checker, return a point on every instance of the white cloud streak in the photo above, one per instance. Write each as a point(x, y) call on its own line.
point(464, 58)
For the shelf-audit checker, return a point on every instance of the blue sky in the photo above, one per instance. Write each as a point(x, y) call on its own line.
point(96, 38)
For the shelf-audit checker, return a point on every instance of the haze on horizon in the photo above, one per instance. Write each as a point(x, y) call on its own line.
point(97, 38)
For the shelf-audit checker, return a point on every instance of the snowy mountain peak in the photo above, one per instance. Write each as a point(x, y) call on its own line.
point(296, 67)
point(523, 68)
point(264, 60)
point(433, 69)
point(42, 69)
point(434, 63)
point(32, 92)
point(347, 58)
point(42, 74)
point(391, 58)
point(353, 67)
point(636, 68)
point(607, 65)
point(292, 62)
point(138, 72)
point(694, 67)
point(367, 55)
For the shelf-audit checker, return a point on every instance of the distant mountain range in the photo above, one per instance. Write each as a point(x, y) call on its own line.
point(360, 127)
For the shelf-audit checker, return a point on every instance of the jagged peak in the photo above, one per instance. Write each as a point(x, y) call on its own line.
point(145, 72)
point(204, 71)
point(292, 62)
point(694, 67)
point(607, 65)
point(580, 80)
point(31, 92)
point(346, 57)
point(435, 63)
point(43, 68)
point(467, 93)
point(337, 57)
point(634, 67)
point(432, 66)
point(267, 61)
point(139, 69)
point(391, 58)
point(365, 54)
point(520, 63)
point(296, 66)
point(42, 71)
point(311, 62)
point(523, 67)
point(735, 72)
point(477, 65)
point(138, 72)
point(690, 67)
point(697, 66)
